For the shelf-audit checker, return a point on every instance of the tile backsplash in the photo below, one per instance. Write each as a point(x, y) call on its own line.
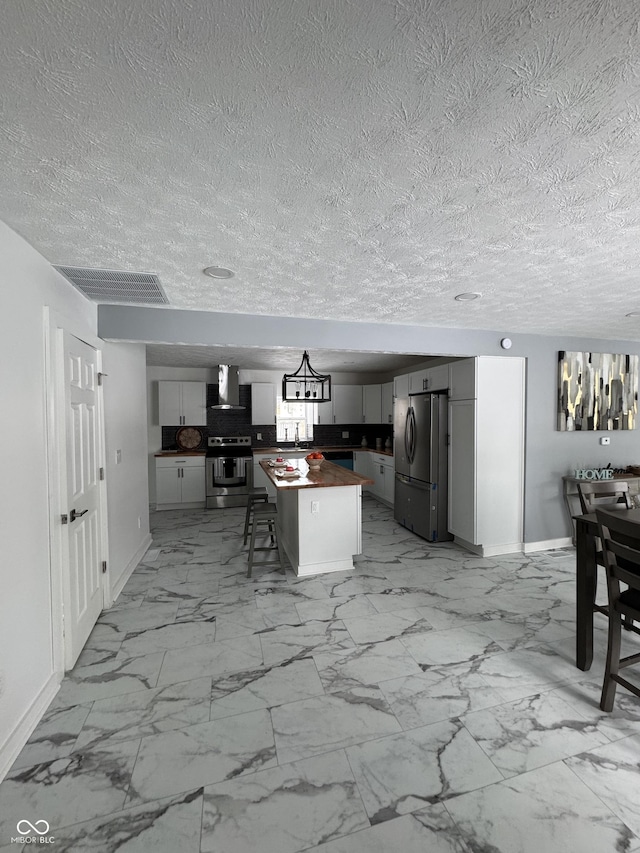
point(238, 422)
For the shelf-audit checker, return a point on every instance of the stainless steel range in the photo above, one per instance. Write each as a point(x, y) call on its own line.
point(229, 470)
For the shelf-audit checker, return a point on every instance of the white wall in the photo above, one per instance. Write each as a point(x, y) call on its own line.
point(27, 284)
point(125, 405)
point(30, 669)
point(154, 429)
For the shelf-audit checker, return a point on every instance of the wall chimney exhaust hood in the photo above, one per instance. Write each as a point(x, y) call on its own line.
point(229, 388)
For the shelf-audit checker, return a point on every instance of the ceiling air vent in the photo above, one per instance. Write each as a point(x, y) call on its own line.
point(116, 285)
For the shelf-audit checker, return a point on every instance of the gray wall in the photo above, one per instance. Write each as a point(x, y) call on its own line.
point(549, 453)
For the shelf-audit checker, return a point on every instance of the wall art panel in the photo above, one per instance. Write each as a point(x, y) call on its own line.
point(597, 391)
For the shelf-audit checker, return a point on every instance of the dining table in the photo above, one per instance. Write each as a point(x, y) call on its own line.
point(587, 577)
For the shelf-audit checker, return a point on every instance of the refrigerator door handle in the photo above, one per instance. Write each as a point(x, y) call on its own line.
point(407, 448)
point(411, 434)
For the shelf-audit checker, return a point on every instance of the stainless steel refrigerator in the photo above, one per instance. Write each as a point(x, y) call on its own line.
point(420, 452)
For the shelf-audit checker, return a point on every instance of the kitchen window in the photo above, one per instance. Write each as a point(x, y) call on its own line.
point(294, 416)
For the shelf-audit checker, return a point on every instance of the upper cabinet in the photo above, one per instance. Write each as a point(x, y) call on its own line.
point(263, 403)
point(181, 403)
point(372, 404)
point(347, 404)
point(430, 379)
point(401, 386)
point(463, 380)
point(386, 400)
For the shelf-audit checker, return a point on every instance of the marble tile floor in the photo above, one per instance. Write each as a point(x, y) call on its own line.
point(426, 702)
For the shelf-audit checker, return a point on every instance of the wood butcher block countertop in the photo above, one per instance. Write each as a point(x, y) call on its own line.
point(326, 476)
point(282, 451)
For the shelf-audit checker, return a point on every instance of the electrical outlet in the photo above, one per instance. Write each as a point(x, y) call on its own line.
point(315, 507)
point(118, 457)
point(139, 522)
point(259, 436)
point(345, 433)
point(605, 440)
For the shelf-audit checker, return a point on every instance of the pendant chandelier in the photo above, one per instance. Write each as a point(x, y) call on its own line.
point(306, 385)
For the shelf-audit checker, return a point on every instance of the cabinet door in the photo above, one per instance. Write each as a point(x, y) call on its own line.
point(372, 404)
point(347, 404)
point(463, 379)
point(325, 412)
point(192, 484)
point(418, 381)
point(389, 484)
point(263, 403)
point(194, 403)
point(386, 401)
point(362, 460)
point(437, 378)
point(169, 403)
point(401, 386)
point(462, 469)
point(168, 486)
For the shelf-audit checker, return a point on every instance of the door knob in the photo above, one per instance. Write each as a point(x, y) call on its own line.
point(73, 514)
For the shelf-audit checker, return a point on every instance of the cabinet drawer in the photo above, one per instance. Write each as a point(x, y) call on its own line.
point(179, 461)
point(381, 459)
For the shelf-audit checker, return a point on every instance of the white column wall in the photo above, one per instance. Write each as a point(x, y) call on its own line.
point(28, 284)
point(125, 405)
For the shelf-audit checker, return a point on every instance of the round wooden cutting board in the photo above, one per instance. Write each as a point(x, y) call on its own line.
point(188, 438)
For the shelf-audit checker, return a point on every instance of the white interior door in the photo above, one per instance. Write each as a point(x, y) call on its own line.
point(83, 595)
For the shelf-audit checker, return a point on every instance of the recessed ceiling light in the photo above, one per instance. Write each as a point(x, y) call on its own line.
point(218, 272)
point(633, 314)
point(468, 297)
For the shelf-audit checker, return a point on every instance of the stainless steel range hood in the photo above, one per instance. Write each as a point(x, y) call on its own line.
point(229, 388)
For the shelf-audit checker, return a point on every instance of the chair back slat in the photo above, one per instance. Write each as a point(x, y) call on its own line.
point(620, 547)
point(600, 493)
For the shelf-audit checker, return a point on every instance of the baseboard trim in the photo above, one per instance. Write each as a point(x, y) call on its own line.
point(13, 745)
point(489, 550)
point(547, 545)
point(130, 568)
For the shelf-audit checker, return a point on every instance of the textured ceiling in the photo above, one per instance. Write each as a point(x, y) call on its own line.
point(348, 159)
point(259, 358)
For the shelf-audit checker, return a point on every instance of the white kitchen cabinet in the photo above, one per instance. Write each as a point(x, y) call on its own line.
point(325, 412)
point(401, 386)
point(363, 464)
point(429, 379)
point(386, 402)
point(263, 403)
point(180, 482)
point(486, 458)
point(384, 474)
point(346, 406)
point(463, 380)
point(181, 403)
point(372, 404)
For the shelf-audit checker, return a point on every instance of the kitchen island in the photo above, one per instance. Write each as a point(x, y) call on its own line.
point(319, 515)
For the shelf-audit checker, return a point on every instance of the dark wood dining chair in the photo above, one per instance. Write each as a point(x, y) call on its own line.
point(600, 493)
point(621, 551)
point(612, 493)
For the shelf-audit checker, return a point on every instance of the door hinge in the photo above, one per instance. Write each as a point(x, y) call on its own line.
point(64, 518)
point(100, 375)
point(104, 567)
point(102, 473)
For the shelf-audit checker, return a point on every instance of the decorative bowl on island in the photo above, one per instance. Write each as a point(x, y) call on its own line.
point(314, 460)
